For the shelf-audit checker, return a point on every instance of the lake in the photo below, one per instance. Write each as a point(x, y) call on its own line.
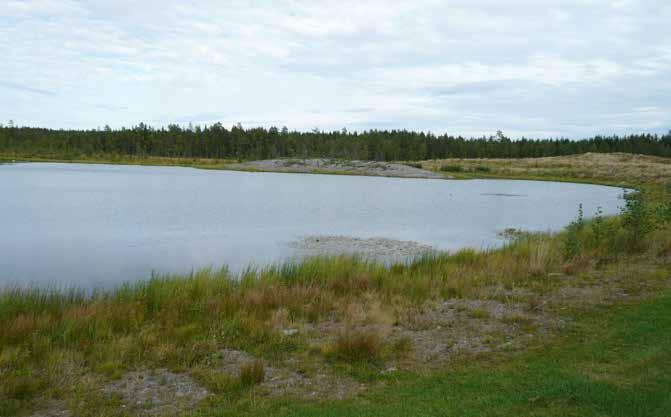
point(99, 225)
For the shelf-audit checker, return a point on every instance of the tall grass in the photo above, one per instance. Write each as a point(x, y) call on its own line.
point(216, 302)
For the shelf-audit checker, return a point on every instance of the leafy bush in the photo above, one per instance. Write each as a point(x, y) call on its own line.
point(637, 220)
point(639, 217)
point(572, 242)
point(599, 227)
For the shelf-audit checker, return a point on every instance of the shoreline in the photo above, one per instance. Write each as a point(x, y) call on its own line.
point(529, 169)
point(337, 167)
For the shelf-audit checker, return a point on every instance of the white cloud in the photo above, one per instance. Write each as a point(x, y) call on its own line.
point(568, 67)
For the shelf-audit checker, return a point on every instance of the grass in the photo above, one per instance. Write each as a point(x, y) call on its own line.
point(451, 168)
point(353, 319)
point(181, 322)
point(252, 374)
point(615, 363)
point(203, 163)
point(357, 346)
point(608, 169)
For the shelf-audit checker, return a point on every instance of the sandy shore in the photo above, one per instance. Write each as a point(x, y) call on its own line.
point(372, 168)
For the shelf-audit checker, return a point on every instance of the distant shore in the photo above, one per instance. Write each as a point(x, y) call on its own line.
point(615, 169)
point(301, 166)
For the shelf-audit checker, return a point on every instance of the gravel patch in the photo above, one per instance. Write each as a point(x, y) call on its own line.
point(53, 408)
point(282, 380)
point(158, 392)
point(368, 248)
point(370, 168)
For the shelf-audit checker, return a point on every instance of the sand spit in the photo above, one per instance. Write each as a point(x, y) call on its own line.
point(370, 168)
point(366, 247)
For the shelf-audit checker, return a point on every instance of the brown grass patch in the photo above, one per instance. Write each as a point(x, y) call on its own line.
point(357, 346)
point(252, 373)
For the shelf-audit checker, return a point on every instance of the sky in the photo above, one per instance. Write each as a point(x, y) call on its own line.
point(534, 68)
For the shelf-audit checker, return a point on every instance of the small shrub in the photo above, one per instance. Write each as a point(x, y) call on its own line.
point(637, 220)
point(481, 168)
point(664, 213)
point(599, 227)
point(252, 373)
point(452, 168)
point(414, 165)
point(572, 242)
point(635, 214)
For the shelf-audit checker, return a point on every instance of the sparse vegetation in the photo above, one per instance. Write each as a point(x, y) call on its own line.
point(451, 168)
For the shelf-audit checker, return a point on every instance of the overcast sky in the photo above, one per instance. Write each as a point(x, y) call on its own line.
point(529, 67)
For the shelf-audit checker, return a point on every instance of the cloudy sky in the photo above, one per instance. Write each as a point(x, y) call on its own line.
point(529, 67)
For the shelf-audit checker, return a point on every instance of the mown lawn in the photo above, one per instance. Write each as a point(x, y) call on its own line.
point(615, 363)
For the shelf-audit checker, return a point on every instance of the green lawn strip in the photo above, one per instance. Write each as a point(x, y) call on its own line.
point(615, 363)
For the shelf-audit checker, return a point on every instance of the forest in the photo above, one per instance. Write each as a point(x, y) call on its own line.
point(218, 142)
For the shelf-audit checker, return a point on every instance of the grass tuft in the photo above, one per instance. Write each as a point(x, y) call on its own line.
point(357, 346)
point(252, 373)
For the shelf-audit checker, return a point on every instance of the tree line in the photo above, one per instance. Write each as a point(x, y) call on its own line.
point(216, 141)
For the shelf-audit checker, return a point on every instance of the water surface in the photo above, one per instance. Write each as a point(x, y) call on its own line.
point(99, 225)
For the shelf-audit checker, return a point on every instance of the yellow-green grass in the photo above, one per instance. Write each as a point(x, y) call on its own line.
point(203, 163)
point(610, 169)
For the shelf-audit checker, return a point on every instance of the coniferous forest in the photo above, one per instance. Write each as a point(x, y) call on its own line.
point(218, 142)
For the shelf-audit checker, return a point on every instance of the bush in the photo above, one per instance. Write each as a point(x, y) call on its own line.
point(572, 242)
point(637, 220)
point(599, 227)
point(606, 237)
point(481, 168)
point(414, 165)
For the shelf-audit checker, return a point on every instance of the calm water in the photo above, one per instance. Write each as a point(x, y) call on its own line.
point(99, 225)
